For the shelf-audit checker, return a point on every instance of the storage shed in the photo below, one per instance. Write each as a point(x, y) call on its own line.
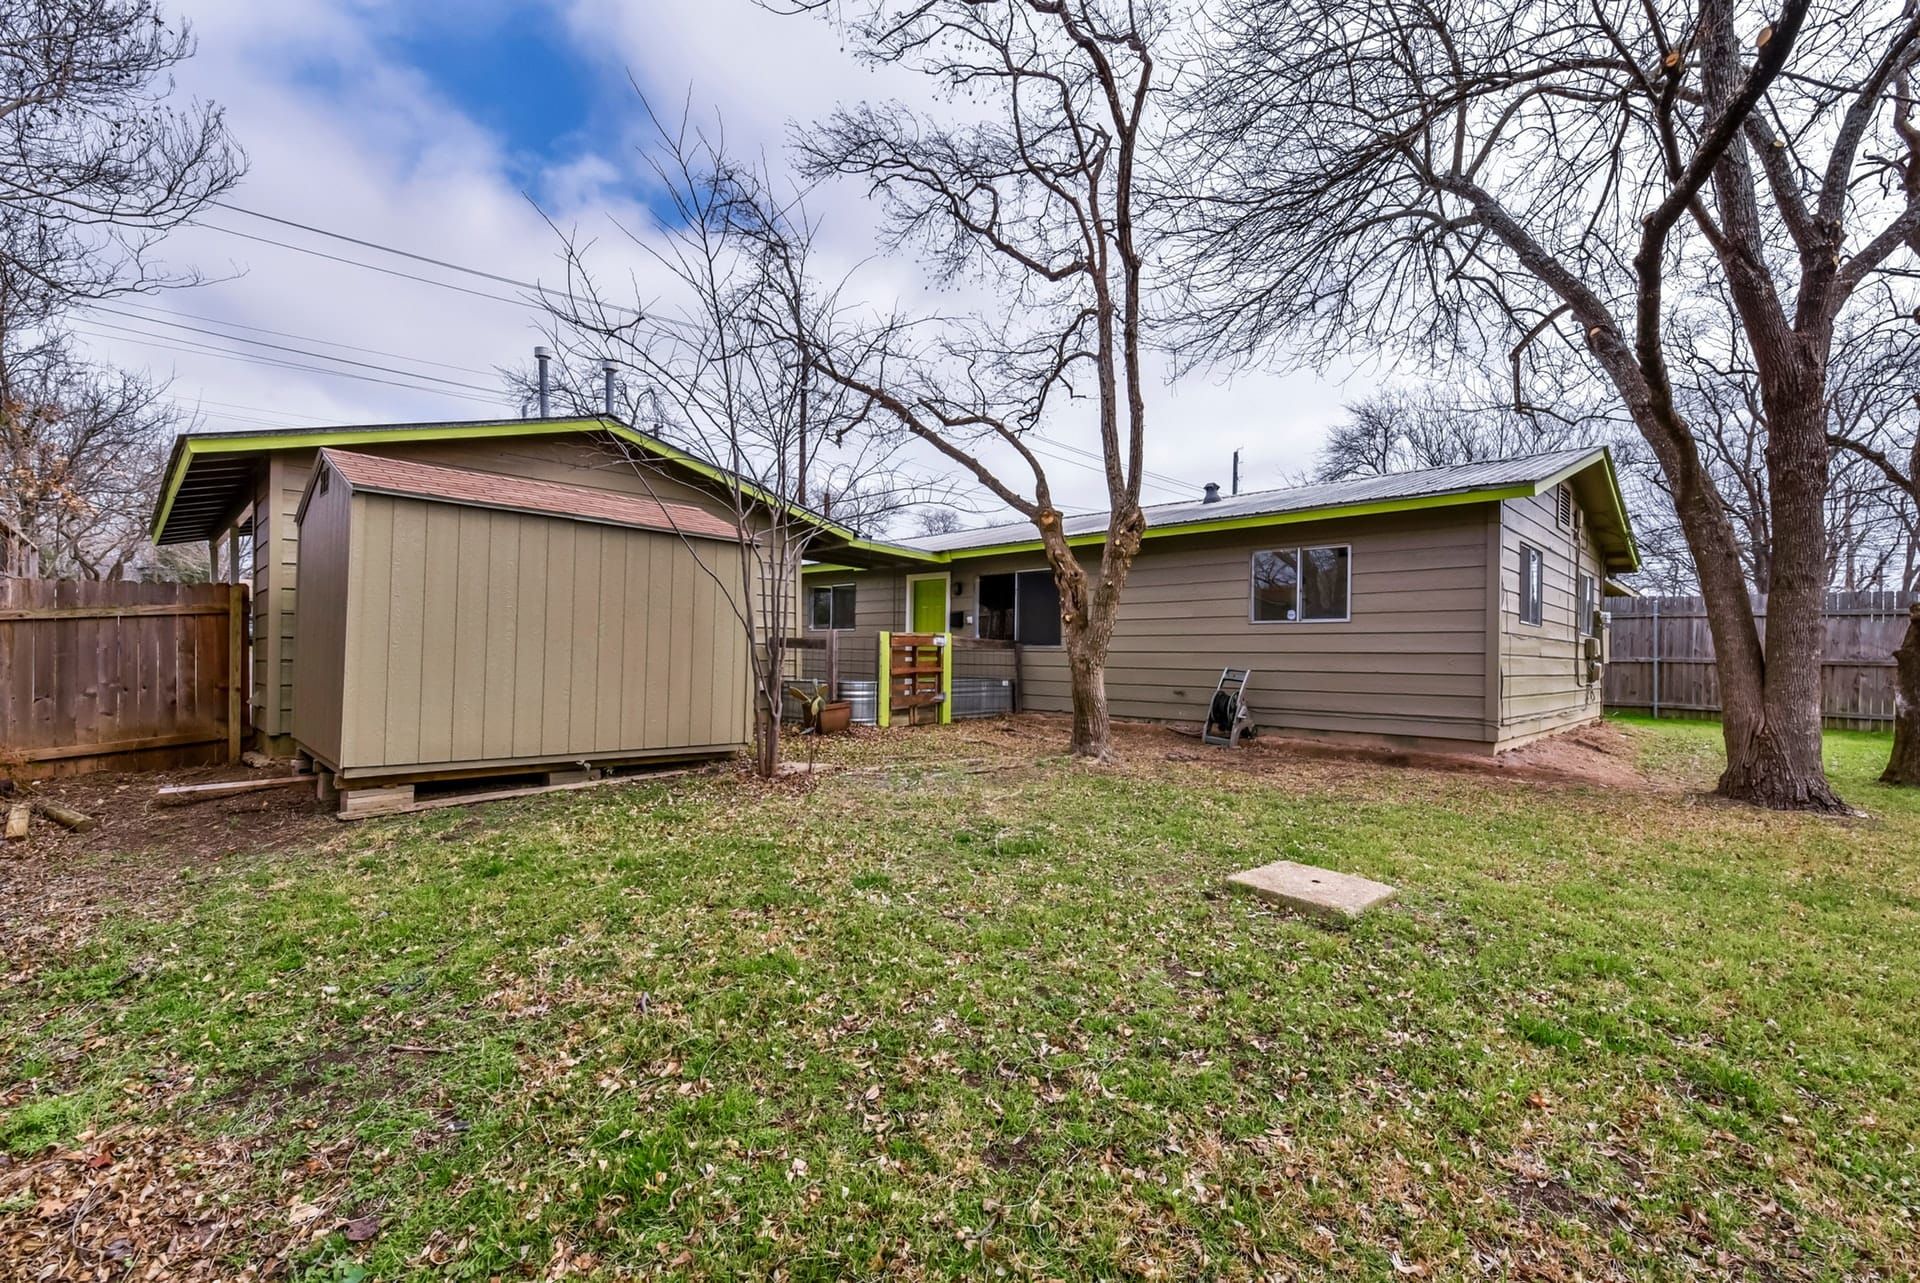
point(464, 623)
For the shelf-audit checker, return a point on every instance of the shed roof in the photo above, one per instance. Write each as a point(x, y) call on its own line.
point(379, 475)
point(209, 475)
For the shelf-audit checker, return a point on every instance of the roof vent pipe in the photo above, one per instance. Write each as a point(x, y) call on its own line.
point(606, 370)
point(1213, 493)
point(543, 356)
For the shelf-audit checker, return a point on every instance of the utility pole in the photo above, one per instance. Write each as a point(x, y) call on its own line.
point(1236, 472)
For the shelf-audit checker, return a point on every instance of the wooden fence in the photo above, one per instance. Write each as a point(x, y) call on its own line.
point(1661, 657)
point(98, 676)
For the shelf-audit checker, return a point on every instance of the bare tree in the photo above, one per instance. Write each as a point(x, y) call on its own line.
point(1562, 170)
point(95, 168)
point(81, 450)
point(1883, 433)
point(1434, 425)
point(721, 370)
point(939, 521)
point(1035, 189)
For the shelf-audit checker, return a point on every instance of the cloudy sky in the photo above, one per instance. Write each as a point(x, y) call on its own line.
point(448, 129)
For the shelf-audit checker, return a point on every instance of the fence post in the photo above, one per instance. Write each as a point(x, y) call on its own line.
point(833, 665)
point(1656, 657)
point(236, 665)
point(946, 679)
point(883, 688)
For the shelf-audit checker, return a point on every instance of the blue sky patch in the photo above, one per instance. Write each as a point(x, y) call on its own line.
point(512, 69)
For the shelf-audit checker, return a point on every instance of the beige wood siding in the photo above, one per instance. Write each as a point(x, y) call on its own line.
point(283, 479)
point(571, 460)
point(1410, 662)
point(481, 638)
point(1543, 683)
point(879, 605)
point(318, 669)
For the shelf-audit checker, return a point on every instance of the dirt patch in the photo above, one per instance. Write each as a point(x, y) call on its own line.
point(1597, 754)
point(56, 886)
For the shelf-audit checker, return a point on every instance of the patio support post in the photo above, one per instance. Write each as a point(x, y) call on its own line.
point(946, 678)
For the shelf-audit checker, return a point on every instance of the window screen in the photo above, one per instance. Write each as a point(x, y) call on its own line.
point(1532, 587)
point(830, 608)
point(1036, 609)
point(1589, 603)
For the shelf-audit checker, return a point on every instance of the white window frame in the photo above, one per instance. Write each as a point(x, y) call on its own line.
point(1299, 594)
point(1586, 603)
point(1520, 606)
point(813, 588)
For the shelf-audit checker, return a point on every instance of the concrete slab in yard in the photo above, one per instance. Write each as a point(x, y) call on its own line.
point(1321, 892)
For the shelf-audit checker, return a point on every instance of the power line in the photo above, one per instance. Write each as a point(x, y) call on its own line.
point(385, 249)
point(168, 342)
point(199, 349)
point(278, 347)
point(371, 267)
point(1166, 482)
point(1077, 463)
point(1180, 483)
point(161, 316)
point(259, 409)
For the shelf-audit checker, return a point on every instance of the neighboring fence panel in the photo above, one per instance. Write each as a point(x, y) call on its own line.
point(97, 676)
point(1662, 657)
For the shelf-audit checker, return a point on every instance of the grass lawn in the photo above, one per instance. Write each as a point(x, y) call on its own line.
point(964, 1009)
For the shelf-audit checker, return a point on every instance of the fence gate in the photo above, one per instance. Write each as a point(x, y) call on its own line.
point(98, 676)
point(919, 668)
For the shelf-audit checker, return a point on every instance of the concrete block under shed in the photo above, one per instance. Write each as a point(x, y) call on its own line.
point(1340, 897)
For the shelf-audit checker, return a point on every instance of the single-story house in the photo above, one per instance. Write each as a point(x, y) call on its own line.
point(409, 517)
point(1454, 608)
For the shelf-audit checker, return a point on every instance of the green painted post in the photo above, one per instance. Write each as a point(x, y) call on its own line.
point(883, 694)
point(946, 678)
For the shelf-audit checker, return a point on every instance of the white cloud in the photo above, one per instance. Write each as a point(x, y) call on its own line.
point(343, 136)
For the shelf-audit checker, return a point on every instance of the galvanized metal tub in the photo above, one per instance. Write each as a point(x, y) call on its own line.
point(982, 696)
point(862, 696)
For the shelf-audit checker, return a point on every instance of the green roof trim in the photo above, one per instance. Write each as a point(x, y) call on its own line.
point(1618, 522)
point(191, 446)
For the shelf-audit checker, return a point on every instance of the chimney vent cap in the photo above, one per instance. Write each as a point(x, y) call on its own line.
point(1212, 493)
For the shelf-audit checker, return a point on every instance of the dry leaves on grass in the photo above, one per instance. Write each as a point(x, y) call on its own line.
point(150, 1203)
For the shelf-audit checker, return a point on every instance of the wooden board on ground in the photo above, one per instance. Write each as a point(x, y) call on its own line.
point(18, 817)
point(65, 816)
point(393, 803)
point(1341, 897)
point(183, 794)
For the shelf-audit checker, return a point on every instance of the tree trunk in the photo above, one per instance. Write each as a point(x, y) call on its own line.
point(1092, 727)
point(766, 738)
point(1773, 742)
point(1904, 766)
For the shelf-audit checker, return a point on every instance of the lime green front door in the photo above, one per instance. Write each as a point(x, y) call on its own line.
point(928, 611)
